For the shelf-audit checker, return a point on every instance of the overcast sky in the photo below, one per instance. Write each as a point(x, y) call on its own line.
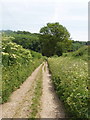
point(31, 15)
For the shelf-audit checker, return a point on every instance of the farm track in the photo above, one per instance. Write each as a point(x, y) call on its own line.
point(20, 101)
point(51, 106)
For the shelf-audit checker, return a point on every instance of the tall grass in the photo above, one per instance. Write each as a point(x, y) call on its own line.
point(70, 79)
point(18, 64)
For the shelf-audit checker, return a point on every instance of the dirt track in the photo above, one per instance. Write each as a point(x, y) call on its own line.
point(51, 105)
point(21, 99)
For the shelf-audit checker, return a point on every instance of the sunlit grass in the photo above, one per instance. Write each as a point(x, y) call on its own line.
point(70, 77)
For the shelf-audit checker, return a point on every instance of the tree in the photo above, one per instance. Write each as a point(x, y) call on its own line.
point(27, 40)
point(55, 39)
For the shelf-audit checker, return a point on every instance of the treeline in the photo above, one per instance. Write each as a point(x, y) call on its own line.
point(53, 39)
point(77, 44)
point(26, 39)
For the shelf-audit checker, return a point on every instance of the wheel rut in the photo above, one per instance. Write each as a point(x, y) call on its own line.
point(21, 100)
point(51, 106)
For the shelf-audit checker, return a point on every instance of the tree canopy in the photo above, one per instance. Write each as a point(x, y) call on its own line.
point(55, 39)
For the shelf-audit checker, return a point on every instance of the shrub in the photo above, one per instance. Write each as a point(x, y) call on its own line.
point(70, 79)
point(18, 64)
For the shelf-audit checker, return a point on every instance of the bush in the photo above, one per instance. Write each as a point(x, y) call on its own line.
point(70, 79)
point(81, 51)
point(18, 64)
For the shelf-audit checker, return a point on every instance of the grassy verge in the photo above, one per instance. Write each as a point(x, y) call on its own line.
point(37, 95)
point(70, 77)
point(18, 64)
point(14, 76)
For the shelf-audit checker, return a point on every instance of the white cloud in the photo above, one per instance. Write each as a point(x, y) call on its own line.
point(44, 1)
point(80, 35)
point(66, 12)
point(34, 14)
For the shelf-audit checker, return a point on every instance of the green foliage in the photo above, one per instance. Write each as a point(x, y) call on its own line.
point(13, 53)
point(28, 41)
point(18, 64)
point(22, 32)
point(77, 44)
point(80, 53)
point(35, 106)
point(70, 79)
point(55, 39)
point(36, 54)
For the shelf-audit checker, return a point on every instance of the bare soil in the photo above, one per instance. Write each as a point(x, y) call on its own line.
point(51, 106)
point(20, 101)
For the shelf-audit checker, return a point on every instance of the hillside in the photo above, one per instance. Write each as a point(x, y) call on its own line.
point(82, 53)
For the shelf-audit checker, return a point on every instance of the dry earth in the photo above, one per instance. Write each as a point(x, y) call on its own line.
point(20, 101)
point(51, 106)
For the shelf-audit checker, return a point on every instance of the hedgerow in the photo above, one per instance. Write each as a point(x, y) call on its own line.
point(18, 63)
point(70, 79)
